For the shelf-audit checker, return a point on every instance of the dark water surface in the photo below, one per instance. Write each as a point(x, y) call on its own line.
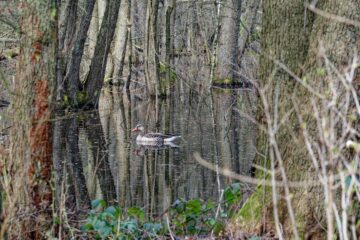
point(104, 161)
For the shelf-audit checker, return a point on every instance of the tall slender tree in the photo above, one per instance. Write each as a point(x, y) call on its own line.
point(151, 49)
point(227, 49)
point(72, 76)
point(66, 29)
point(95, 77)
point(121, 41)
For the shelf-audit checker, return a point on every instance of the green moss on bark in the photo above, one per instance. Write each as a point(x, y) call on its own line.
point(220, 81)
point(251, 212)
point(164, 83)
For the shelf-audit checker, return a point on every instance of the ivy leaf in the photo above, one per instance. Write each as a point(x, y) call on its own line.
point(99, 225)
point(136, 213)
point(179, 206)
point(209, 206)
point(194, 206)
point(98, 202)
point(235, 188)
point(218, 227)
point(105, 231)
point(229, 196)
point(87, 227)
point(114, 211)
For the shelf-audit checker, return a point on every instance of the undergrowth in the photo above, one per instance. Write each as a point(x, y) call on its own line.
point(193, 217)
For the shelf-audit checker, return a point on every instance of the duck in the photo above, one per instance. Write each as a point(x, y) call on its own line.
point(154, 139)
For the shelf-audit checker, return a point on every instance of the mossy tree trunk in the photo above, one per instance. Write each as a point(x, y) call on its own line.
point(291, 40)
point(285, 39)
point(30, 193)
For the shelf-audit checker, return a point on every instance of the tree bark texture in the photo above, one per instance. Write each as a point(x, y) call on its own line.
point(93, 31)
point(95, 78)
point(291, 41)
point(129, 46)
point(227, 49)
point(121, 40)
point(138, 28)
point(287, 40)
point(72, 77)
point(248, 23)
point(31, 133)
point(67, 29)
point(151, 49)
point(169, 43)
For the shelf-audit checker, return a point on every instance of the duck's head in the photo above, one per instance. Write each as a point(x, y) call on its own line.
point(138, 128)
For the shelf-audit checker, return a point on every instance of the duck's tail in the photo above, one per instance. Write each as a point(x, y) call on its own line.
point(171, 144)
point(170, 139)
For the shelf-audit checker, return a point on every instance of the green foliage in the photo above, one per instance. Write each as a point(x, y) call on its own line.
point(255, 36)
point(320, 72)
point(66, 102)
point(163, 69)
point(223, 81)
point(112, 223)
point(232, 196)
point(253, 207)
point(192, 217)
point(81, 97)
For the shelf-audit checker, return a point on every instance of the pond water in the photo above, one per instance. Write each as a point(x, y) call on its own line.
point(104, 161)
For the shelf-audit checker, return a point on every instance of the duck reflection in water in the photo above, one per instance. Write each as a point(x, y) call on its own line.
point(142, 149)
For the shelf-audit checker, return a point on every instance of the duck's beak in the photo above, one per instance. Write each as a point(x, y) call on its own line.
point(135, 129)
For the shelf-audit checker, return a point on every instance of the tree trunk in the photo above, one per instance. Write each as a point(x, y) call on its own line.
point(285, 39)
point(138, 29)
point(95, 78)
point(101, 4)
point(72, 78)
point(248, 23)
point(227, 49)
point(31, 133)
point(151, 49)
point(292, 36)
point(93, 31)
point(67, 30)
point(169, 43)
point(121, 40)
point(129, 48)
